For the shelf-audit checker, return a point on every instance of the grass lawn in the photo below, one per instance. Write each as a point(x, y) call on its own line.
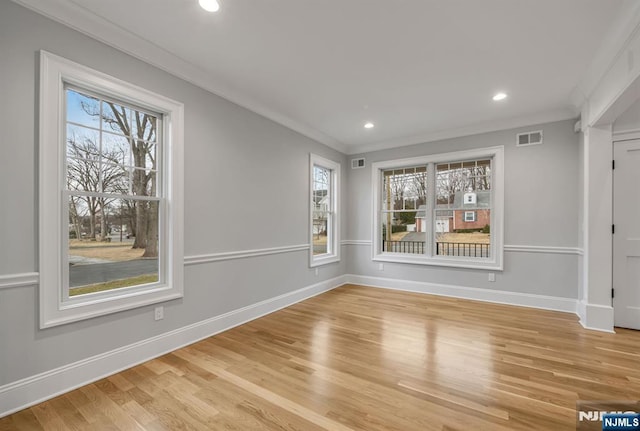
point(114, 284)
point(111, 252)
point(472, 237)
point(319, 239)
point(85, 243)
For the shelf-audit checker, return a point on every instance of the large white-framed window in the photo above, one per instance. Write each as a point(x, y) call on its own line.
point(441, 209)
point(110, 194)
point(324, 215)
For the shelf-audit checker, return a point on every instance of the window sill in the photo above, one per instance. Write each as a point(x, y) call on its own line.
point(324, 260)
point(86, 308)
point(443, 261)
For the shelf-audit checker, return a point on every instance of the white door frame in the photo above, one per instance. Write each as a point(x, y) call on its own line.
point(626, 306)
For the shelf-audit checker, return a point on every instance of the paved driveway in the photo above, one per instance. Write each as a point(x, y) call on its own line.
point(81, 275)
point(415, 236)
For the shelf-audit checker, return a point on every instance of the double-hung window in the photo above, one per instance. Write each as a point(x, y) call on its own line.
point(110, 194)
point(443, 209)
point(324, 222)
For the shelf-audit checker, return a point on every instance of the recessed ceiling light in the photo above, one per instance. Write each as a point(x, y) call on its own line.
point(368, 125)
point(209, 5)
point(500, 96)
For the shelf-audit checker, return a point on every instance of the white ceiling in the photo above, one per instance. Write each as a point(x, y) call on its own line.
point(418, 69)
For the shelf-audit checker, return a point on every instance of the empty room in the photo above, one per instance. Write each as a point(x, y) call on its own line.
point(320, 215)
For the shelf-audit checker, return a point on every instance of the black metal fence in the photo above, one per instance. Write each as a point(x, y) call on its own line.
point(465, 249)
point(462, 249)
point(414, 247)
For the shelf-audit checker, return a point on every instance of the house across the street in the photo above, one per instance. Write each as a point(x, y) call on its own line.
point(468, 211)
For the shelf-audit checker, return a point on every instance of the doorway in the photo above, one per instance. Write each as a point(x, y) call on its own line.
point(626, 239)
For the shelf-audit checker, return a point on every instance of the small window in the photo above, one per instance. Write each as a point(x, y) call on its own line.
point(110, 194)
point(469, 216)
point(324, 215)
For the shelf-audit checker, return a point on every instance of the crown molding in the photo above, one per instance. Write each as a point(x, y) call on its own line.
point(72, 14)
point(475, 129)
point(77, 17)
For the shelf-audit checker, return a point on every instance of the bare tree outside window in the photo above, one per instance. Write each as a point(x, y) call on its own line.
point(112, 183)
point(405, 192)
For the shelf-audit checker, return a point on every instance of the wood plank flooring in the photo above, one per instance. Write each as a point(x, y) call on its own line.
point(360, 358)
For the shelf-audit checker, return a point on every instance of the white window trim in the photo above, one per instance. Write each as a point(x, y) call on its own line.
point(334, 229)
point(495, 262)
point(55, 72)
point(473, 216)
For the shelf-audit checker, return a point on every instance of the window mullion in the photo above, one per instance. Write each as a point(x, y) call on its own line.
point(431, 199)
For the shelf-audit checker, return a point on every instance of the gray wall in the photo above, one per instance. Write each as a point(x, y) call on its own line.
point(541, 209)
point(240, 167)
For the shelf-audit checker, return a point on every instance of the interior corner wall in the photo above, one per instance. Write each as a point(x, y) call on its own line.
point(246, 188)
point(541, 216)
point(581, 225)
point(596, 310)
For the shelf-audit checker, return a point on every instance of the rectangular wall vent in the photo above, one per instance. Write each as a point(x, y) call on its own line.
point(529, 138)
point(357, 163)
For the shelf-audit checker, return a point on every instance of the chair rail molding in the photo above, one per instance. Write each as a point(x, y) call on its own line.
point(19, 280)
point(242, 254)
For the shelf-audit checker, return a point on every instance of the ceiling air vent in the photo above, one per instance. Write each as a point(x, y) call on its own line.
point(357, 163)
point(529, 138)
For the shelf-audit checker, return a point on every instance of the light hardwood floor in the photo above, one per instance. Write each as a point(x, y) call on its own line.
point(360, 358)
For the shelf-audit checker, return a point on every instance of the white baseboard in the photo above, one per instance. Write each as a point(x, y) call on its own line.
point(596, 317)
point(581, 311)
point(567, 305)
point(33, 390)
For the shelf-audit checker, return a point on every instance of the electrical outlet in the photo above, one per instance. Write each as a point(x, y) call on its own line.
point(381, 267)
point(317, 272)
point(159, 313)
point(492, 276)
